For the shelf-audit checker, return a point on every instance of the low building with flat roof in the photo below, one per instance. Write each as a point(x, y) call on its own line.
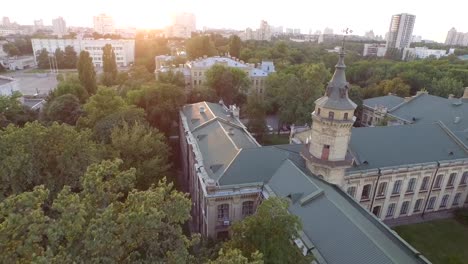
point(8, 86)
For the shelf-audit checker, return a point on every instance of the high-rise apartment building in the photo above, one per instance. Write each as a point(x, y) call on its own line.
point(59, 26)
point(38, 24)
point(6, 21)
point(456, 38)
point(183, 24)
point(104, 24)
point(401, 31)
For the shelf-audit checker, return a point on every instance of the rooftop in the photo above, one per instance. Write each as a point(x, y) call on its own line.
point(388, 101)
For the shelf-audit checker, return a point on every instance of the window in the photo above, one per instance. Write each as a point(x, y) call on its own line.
point(417, 205)
point(223, 211)
point(404, 208)
point(444, 201)
point(456, 200)
point(382, 189)
point(438, 181)
point(247, 208)
point(411, 184)
point(464, 178)
point(396, 187)
point(431, 203)
point(351, 191)
point(451, 179)
point(325, 152)
point(376, 210)
point(331, 115)
point(345, 116)
point(366, 192)
point(199, 82)
point(318, 111)
point(424, 183)
point(194, 82)
point(261, 90)
point(391, 210)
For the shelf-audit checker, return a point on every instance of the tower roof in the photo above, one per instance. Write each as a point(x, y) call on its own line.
point(336, 95)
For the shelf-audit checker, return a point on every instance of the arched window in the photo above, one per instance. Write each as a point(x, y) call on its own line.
point(345, 116)
point(417, 205)
point(404, 208)
point(366, 192)
point(396, 187)
point(456, 200)
point(390, 210)
point(351, 191)
point(223, 211)
point(425, 183)
point(331, 115)
point(464, 178)
point(382, 189)
point(411, 184)
point(431, 203)
point(247, 208)
point(444, 201)
point(438, 181)
point(451, 179)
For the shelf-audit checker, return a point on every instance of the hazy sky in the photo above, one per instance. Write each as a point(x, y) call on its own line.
point(433, 18)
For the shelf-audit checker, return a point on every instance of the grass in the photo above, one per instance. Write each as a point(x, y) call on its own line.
point(441, 241)
point(274, 139)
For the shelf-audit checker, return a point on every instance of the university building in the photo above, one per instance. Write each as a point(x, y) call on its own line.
point(228, 174)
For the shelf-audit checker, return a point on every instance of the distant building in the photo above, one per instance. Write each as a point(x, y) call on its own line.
point(416, 39)
point(6, 21)
point(422, 53)
point(8, 86)
point(38, 24)
point(59, 27)
point(455, 38)
point(289, 31)
point(124, 48)
point(370, 35)
point(374, 50)
point(328, 31)
point(297, 31)
point(264, 32)
point(183, 24)
point(401, 31)
point(18, 63)
point(104, 24)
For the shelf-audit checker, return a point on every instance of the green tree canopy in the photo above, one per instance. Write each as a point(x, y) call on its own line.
point(234, 256)
point(33, 155)
point(109, 66)
point(143, 148)
point(269, 231)
point(59, 58)
point(230, 84)
point(256, 114)
point(11, 49)
point(106, 222)
point(70, 86)
point(86, 73)
point(446, 86)
point(200, 46)
point(13, 112)
point(171, 77)
point(70, 58)
point(235, 45)
point(395, 86)
point(43, 59)
point(63, 109)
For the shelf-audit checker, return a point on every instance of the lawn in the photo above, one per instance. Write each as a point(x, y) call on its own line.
point(441, 241)
point(274, 139)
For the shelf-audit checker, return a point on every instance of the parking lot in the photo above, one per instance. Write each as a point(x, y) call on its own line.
point(34, 83)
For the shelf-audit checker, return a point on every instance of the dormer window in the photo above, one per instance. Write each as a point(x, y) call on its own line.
point(331, 115)
point(345, 116)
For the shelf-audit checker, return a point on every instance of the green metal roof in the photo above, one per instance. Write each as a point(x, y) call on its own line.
point(388, 101)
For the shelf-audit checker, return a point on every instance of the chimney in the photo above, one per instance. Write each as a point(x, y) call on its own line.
point(465, 94)
point(202, 109)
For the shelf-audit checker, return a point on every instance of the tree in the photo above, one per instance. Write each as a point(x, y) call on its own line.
point(143, 148)
point(234, 256)
point(105, 222)
point(201, 93)
point(13, 112)
point(59, 57)
point(235, 45)
point(109, 66)
point(229, 83)
point(105, 102)
point(43, 59)
point(86, 73)
point(103, 128)
point(395, 86)
point(171, 77)
point(161, 103)
point(70, 58)
point(446, 86)
point(200, 46)
point(33, 155)
point(63, 109)
point(256, 114)
point(269, 231)
point(70, 86)
point(11, 49)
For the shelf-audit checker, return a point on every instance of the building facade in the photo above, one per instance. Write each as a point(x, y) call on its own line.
point(183, 24)
point(423, 53)
point(374, 50)
point(455, 38)
point(8, 86)
point(59, 27)
point(104, 24)
point(400, 31)
point(124, 49)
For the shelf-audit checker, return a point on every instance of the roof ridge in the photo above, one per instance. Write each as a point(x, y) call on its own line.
point(414, 97)
point(452, 136)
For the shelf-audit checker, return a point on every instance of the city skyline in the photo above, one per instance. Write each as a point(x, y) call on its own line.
point(295, 14)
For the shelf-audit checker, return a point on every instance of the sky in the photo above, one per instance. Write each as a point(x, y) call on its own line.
point(433, 20)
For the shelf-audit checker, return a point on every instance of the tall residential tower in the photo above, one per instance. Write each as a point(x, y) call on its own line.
point(401, 31)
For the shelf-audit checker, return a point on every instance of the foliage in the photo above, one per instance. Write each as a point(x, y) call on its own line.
point(200, 46)
point(230, 84)
point(63, 109)
point(202, 93)
point(70, 86)
point(130, 115)
point(59, 58)
point(256, 114)
point(234, 256)
point(35, 154)
point(292, 92)
point(11, 49)
point(143, 148)
point(171, 77)
point(235, 45)
point(445, 86)
point(13, 112)
point(269, 231)
point(70, 58)
point(105, 102)
point(106, 222)
point(161, 103)
point(147, 49)
point(133, 79)
point(86, 73)
point(43, 59)
point(109, 66)
point(395, 86)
